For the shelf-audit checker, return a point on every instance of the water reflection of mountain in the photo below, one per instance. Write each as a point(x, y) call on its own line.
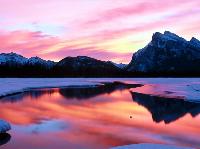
point(165, 109)
point(73, 92)
point(33, 94)
point(4, 138)
point(89, 92)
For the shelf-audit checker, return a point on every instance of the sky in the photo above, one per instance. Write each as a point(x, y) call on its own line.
point(103, 29)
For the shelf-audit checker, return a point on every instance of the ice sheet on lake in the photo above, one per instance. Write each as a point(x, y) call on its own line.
point(149, 146)
point(14, 85)
point(187, 88)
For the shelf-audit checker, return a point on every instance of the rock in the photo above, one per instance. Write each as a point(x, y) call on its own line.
point(4, 126)
point(4, 138)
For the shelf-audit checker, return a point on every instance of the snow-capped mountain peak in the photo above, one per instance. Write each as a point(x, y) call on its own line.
point(36, 60)
point(167, 52)
point(119, 65)
point(173, 36)
point(167, 36)
point(16, 59)
point(195, 42)
point(12, 58)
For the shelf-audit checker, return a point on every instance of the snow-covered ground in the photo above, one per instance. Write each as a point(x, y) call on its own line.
point(15, 85)
point(149, 146)
point(186, 88)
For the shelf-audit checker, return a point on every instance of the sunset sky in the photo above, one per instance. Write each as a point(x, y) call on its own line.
point(103, 29)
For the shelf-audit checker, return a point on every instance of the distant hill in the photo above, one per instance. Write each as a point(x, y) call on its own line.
point(82, 66)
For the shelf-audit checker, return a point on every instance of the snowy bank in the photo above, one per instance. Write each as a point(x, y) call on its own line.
point(4, 126)
point(9, 86)
point(149, 146)
point(185, 88)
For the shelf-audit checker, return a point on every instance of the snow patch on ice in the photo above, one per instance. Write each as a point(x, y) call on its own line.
point(149, 146)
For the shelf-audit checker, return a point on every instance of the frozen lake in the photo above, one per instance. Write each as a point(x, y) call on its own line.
point(89, 114)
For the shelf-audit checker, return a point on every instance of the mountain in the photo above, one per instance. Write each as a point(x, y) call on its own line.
point(167, 54)
point(15, 65)
point(38, 61)
point(120, 65)
point(13, 59)
point(83, 66)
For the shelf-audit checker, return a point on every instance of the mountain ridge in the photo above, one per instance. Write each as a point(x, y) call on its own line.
point(17, 59)
point(12, 64)
point(35, 59)
point(167, 54)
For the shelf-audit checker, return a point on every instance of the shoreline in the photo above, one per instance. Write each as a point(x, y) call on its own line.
point(186, 89)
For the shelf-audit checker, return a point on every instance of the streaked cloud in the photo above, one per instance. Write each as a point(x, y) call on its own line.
point(104, 29)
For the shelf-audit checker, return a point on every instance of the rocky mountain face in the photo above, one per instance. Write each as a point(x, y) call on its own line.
point(167, 53)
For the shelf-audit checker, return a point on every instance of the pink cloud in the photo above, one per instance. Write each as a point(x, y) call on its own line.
point(99, 29)
point(32, 43)
point(138, 9)
point(94, 52)
point(25, 42)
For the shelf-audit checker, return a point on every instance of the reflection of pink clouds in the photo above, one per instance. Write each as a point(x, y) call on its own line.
point(106, 121)
point(36, 141)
